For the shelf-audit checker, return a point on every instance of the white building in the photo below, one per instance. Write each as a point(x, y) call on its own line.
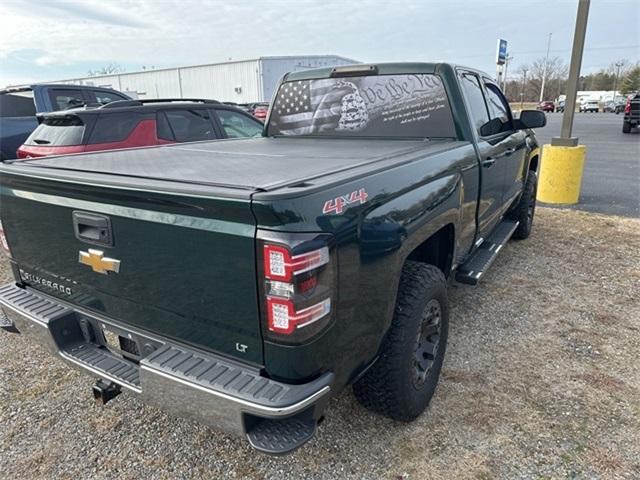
point(234, 81)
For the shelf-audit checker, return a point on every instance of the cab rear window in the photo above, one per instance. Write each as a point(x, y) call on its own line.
point(58, 131)
point(408, 105)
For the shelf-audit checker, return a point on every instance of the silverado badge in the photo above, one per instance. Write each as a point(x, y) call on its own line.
point(98, 262)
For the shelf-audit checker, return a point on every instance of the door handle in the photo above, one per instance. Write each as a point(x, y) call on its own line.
point(509, 151)
point(488, 162)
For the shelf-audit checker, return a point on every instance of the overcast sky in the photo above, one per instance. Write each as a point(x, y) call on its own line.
point(51, 40)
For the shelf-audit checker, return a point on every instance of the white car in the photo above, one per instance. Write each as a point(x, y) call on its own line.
point(590, 106)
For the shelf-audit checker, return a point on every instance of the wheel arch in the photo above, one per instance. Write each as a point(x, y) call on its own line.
point(534, 159)
point(438, 249)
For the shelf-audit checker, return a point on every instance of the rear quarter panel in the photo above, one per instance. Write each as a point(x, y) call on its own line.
point(405, 205)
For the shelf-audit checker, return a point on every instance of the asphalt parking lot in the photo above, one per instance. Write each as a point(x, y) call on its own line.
point(611, 181)
point(540, 380)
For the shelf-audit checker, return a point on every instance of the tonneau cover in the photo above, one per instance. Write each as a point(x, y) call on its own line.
point(252, 164)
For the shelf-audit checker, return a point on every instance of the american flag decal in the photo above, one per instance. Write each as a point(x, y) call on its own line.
point(306, 107)
point(293, 98)
point(376, 106)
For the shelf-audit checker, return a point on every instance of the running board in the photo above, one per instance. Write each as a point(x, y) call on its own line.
point(474, 268)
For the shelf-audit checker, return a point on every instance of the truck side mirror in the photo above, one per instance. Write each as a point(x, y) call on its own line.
point(530, 119)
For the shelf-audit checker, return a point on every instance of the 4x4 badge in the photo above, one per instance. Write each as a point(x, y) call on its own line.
point(98, 262)
point(338, 204)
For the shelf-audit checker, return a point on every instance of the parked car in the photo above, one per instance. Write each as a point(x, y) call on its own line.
point(245, 282)
point(631, 117)
point(560, 106)
point(615, 107)
point(547, 106)
point(136, 123)
point(590, 106)
point(619, 106)
point(19, 106)
point(259, 110)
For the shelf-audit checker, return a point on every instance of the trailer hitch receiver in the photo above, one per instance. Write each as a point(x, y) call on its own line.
point(104, 391)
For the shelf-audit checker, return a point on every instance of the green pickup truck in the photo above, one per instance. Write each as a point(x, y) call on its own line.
point(244, 282)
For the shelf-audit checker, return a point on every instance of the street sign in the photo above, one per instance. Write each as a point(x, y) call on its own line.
point(501, 52)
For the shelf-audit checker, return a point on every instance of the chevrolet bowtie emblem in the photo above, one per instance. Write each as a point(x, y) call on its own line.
point(97, 261)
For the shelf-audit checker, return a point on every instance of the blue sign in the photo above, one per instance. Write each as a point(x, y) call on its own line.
point(501, 54)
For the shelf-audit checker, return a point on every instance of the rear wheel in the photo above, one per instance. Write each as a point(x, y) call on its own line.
point(526, 208)
point(626, 127)
point(402, 381)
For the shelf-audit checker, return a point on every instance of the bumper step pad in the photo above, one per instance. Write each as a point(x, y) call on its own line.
point(277, 437)
point(475, 267)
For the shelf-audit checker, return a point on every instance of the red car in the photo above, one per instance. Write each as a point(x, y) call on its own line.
point(547, 106)
point(136, 123)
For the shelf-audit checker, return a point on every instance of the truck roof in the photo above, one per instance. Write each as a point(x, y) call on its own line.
point(249, 165)
point(394, 68)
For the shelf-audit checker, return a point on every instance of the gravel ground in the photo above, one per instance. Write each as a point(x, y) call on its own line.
point(541, 380)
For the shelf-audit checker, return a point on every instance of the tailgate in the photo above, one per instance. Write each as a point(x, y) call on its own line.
point(186, 263)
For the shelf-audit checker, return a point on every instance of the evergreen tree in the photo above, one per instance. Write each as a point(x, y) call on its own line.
point(631, 82)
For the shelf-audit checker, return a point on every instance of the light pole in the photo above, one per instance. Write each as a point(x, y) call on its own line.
point(565, 138)
point(507, 59)
point(544, 70)
point(615, 81)
point(524, 83)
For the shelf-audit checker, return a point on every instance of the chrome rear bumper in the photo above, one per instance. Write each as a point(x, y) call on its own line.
point(190, 383)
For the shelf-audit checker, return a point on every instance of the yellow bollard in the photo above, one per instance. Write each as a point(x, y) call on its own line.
point(561, 174)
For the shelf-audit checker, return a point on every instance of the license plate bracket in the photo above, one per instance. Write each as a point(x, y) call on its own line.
point(120, 342)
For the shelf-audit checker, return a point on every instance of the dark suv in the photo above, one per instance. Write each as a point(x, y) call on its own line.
point(137, 123)
point(631, 113)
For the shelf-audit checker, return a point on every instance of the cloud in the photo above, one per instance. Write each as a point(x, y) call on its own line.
point(45, 60)
point(66, 10)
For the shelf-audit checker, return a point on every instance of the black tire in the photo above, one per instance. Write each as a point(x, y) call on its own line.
point(525, 210)
point(402, 381)
point(626, 127)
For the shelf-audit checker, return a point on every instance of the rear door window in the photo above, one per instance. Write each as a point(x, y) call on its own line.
point(114, 127)
point(190, 125)
point(58, 132)
point(237, 125)
point(475, 99)
point(65, 98)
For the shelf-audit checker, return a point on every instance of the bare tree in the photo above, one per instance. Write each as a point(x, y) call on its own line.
point(556, 75)
point(620, 67)
point(106, 70)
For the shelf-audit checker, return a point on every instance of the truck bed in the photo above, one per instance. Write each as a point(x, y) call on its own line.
point(243, 165)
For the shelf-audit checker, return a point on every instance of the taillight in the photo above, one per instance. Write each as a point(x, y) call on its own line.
point(279, 264)
point(284, 318)
point(627, 107)
point(4, 244)
point(298, 285)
